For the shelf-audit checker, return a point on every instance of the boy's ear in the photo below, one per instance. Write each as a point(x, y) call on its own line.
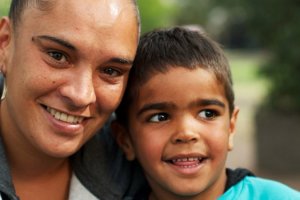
point(5, 40)
point(122, 137)
point(232, 128)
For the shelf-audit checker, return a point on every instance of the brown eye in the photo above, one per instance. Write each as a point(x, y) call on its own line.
point(159, 117)
point(58, 56)
point(111, 72)
point(208, 114)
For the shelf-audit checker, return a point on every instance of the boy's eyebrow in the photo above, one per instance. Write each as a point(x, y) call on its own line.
point(208, 102)
point(155, 106)
point(62, 42)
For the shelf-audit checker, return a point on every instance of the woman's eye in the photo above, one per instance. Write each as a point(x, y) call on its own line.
point(60, 57)
point(111, 72)
point(208, 114)
point(159, 117)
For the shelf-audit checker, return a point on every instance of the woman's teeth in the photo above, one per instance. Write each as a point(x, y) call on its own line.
point(65, 117)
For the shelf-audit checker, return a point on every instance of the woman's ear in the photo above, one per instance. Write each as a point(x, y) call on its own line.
point(232, 128)
point(122, 137)
point(5, 40)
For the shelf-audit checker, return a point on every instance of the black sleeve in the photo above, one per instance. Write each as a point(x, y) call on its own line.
point(235, 176)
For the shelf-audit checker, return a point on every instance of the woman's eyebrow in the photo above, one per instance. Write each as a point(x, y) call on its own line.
point(57, 40)
point(123, 61)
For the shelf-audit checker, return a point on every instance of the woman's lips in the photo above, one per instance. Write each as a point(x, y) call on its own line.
point(61, 116)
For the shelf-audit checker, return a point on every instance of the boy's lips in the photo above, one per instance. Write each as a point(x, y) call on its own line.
point(186, 161)
point(186, 165)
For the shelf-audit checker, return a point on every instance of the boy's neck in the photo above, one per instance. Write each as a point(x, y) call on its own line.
point(213, 192)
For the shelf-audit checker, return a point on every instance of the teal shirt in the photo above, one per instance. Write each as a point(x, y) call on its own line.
point(254, 188)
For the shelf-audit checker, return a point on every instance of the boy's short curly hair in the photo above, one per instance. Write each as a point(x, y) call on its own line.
point(162, 49)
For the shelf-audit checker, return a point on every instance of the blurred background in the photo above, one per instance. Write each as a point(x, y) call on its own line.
point(261, 39)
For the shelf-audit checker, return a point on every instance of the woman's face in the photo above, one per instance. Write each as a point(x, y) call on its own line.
point(66, 69)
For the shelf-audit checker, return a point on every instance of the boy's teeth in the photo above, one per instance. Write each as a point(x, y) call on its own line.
point(64, 117)
point(185, 159)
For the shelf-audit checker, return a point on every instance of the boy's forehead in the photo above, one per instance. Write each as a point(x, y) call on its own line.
point(179, 90)
point(179, 81)
point(150, 71)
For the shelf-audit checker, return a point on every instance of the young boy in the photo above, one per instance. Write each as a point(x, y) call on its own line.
point(178, 119)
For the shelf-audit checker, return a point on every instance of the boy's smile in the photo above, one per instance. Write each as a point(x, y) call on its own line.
point(186, 165)
point(180, 130)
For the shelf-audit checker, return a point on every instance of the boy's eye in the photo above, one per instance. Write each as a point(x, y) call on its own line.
point(58, 56)
point(159, 117)
point(208, 114)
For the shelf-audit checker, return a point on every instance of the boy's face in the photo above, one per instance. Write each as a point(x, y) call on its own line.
point(180, 131)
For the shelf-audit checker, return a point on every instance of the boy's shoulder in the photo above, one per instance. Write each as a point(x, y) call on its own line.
point(251, 187)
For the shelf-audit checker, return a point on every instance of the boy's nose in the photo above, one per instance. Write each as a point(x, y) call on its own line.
point(79, 91)
point(185, 132)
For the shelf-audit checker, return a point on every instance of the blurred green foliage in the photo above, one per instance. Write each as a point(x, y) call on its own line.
point(4, 4)
point(276, 25)
point(156, 13)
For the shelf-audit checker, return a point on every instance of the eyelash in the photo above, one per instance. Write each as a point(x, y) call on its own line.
point(112, 72)
point(60, 59)
point(158, 118)
point(209, 114)
point(213, 114)
point(52, 57)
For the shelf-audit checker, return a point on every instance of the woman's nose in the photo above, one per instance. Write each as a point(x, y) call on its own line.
point(79, 91)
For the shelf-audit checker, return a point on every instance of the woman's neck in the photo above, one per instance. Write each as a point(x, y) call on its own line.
point(35, 175)
point(54, 183)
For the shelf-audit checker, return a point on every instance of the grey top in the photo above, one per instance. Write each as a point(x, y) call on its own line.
point(78, 191)
point(100, 167)
point(6, 186)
